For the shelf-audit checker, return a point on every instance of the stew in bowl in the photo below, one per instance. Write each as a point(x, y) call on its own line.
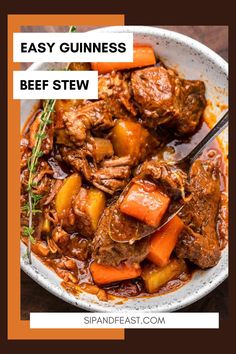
point(106, 171)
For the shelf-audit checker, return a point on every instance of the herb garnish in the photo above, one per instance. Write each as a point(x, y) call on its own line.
point(33, 199)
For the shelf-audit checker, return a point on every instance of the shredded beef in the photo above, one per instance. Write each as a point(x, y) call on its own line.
point(198, 241)
point(107, 251)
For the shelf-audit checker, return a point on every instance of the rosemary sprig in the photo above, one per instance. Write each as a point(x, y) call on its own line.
point(32, 163)
point(33, 198)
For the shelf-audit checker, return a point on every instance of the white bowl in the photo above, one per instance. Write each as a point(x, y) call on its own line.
point(192, 60)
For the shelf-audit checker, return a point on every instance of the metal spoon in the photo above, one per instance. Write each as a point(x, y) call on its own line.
point(188, 160)
point(183, 164)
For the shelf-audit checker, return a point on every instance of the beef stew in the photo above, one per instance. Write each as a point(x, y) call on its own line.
point(110, 158)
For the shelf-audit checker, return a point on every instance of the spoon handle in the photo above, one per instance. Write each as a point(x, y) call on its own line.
point(213, 133)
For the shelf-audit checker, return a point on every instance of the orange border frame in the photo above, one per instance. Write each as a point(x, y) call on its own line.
point(17, 328)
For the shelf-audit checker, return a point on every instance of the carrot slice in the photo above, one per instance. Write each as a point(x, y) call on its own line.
point(164, 240)
point(143, 56)
point(145, 202)
point(104, 274)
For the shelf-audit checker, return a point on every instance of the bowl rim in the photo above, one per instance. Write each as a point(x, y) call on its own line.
point(161, 32)
point(99, 307)
point(223, 274)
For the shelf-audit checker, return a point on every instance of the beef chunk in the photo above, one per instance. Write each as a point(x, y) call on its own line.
point(171, 178)
point(193, 105)
point(97, 116)
point(109, 185)
point(63, 107)
point(158, 94)
point(76, 158)
point(163, 98)
point(121, 172)
point(107, 251)
point(84, 224)
point(198, 242)
point(116, 85)
point(109, 178)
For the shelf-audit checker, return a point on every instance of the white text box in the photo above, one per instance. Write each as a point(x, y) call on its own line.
point(134, 319)
point(57, 44)
point(55, 85)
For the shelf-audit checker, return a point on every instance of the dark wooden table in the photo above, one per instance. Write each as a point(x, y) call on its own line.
point(35, 299)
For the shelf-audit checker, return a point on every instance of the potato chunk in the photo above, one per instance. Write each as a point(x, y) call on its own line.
point(88, 207)
point(95, 205)
point(66, 194)
point(155, 277)
point(46, 227)
point(102, 148)
point(130, 138)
